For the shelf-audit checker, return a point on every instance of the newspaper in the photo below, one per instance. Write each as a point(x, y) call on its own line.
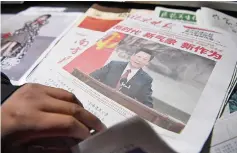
point(224, 135)
point(213, 18)
point(125, 137)
point(27, 37)
point(5, 17)
point(221, 141)
point(184, 16)
point(189, 74)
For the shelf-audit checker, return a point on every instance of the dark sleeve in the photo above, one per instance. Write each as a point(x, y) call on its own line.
point(6, 87)
point(101, 73)
point(145, 94)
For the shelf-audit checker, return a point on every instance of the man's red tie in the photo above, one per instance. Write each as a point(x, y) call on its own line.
point(124, 76)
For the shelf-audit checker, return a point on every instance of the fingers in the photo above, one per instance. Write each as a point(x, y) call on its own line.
point(90, 120)
point(62, 95)
point(53, 105)
point(82, 115)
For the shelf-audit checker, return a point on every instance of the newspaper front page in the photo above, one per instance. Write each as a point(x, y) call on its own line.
point(223, 138)
point(174, 76)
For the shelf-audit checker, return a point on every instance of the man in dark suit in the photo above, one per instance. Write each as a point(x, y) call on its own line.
point(128, 77)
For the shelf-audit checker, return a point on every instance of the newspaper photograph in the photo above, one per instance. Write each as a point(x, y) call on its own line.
point(144, 66)
point(147, 72)
point(26, 37)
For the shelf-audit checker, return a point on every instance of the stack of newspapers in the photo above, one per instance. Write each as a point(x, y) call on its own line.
point(159, 80)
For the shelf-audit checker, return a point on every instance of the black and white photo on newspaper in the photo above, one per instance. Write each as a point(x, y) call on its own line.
point(175, 76)
point(27, 37)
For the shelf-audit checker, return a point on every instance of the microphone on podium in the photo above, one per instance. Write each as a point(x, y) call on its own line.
point(124, 83)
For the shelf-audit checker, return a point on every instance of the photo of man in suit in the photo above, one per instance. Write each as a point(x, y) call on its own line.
point(129, 77)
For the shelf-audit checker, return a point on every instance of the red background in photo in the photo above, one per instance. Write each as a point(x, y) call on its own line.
point(96, 56)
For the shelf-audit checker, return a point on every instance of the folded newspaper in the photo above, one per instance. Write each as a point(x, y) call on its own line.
point(175, 76)
point(224, 136)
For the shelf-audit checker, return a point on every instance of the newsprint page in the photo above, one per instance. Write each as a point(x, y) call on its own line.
point(27, 37)
point(123, 138)
point(174, 76)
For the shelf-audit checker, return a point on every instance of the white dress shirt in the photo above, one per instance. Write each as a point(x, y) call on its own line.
point(133, 71)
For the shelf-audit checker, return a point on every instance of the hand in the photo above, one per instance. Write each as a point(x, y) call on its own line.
point(36, 111)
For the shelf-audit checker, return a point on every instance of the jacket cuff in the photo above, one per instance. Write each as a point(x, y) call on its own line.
point(7, 90)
